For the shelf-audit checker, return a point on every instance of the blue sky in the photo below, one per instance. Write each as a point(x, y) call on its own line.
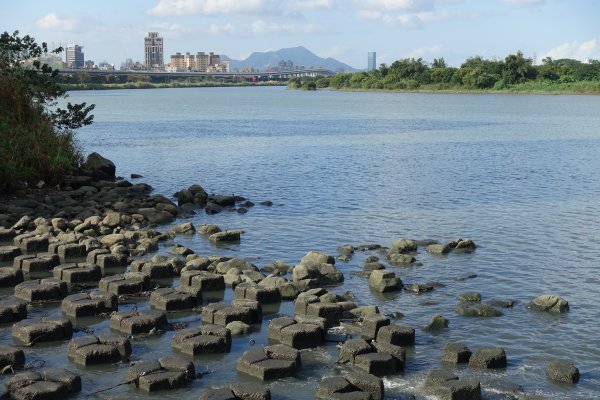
point(112, 30)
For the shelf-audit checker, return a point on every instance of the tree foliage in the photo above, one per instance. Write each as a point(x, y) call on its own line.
point(36, 137)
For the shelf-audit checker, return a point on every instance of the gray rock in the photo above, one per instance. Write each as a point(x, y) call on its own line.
point(104, 168)
point(470, 296)
point(437, 323)
point(352, 348)
point(403, 246)
point(549, 303)
point(396, 335)
point(563, 371)
point(439, 248)
point(372, 324)
point(225, 237)
point(239, 328)
point(477, 310)
point(186, 228)
point(378, 364)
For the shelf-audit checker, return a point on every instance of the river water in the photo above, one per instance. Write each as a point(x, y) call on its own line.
point(518, 174)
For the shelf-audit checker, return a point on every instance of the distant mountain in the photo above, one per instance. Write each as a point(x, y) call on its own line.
point(300, 56)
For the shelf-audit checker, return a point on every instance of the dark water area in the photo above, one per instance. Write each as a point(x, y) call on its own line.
point(518, 174)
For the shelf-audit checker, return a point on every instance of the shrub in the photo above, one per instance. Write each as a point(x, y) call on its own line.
point(36, 142)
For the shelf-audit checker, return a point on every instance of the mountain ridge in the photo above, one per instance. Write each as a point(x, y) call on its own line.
point(299, 55)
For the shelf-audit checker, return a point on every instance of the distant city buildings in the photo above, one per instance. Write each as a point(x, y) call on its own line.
point(153, 52)
point(75, 58)
point(130, 65)
point(372, 61)
point(199, 62)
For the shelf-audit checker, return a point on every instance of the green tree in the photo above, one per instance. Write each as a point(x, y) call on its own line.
point(36, 137)
point(517, 69)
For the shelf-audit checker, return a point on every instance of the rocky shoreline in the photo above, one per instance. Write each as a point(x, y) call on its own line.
point(87, 247)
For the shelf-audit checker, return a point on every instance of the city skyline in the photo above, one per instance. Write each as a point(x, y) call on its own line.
point(346, 30)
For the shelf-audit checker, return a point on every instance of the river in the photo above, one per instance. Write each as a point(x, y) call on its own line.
point(518, 174)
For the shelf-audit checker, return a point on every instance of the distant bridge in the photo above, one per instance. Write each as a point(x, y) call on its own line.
point(167, 76)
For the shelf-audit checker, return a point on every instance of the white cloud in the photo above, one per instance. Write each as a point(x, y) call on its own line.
point(212, 7)
point(410, 14)
point(169, 27)
point(226, 29)
point(261, 26)
point(524, 3)
point(425, 51)
point(53, 21)
point(312, 5)
point(582, 51)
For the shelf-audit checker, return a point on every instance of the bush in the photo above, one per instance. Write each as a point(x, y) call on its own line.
point(36, 142)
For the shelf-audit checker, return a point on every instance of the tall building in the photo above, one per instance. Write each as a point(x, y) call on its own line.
point(202, 60)
point(75, 56)
point(153, 51)
point(372, 61)
point(214, 59)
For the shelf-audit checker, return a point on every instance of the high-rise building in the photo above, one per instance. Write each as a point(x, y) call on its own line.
point(153, 51)
point(214, 59)
point(202, 60)
point(372, 61)
point(75, 57)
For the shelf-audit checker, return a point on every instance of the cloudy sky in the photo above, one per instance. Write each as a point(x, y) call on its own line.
point(112, 30)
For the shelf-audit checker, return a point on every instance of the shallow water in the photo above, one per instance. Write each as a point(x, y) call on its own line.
point(515, 173)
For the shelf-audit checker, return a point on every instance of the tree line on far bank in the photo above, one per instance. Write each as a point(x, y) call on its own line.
point(476, 73)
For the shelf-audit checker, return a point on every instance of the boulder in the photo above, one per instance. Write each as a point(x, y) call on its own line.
point(437, 323)
point(563, 371)
point(549, 303)
point(101, 167)
point(403, 246)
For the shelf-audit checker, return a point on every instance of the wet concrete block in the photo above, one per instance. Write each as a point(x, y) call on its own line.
point(352, 348)
point(129, 283)
point(35, 244)
point(91, 350)
point(40, 263)
point(458, 390)
point(372, 324)
point(11, 356)
point(203, 280)
point(250, 391)
point(89, 304)
point(488, 358)
point(151, 376)
point(378, 364)
point(268, 364)
point(283, 352)
point(398, 352)
point(60, 375)
point(178, 365)
point(456, 353)
point(334, 384)
point(252, 305)
point(207, 339)
point(219, 394)
point(77, 273)
point(222, 314)
point(301, 336)
point(307, 319)
point(41, 390)
point(42, 330)
point(155, 270)
point(93, 255)
point(71, 250)
point(7, 234)
point(10, 276)
point(133, 323)
point(438, 376)
point(251, 291)
point(111, 261)
point(396, 335)
point(171, 299)
point(18, 260)
point(367, 383)
point(42, 290)
point(331, 312)
point(12, 309)
point(8, 253)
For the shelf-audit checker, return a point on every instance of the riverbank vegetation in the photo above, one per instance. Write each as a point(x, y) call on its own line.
point(86, 81)
point(515, 73)
point(37, 141)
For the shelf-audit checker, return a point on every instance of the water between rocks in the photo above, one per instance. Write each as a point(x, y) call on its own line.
point(518, 174)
